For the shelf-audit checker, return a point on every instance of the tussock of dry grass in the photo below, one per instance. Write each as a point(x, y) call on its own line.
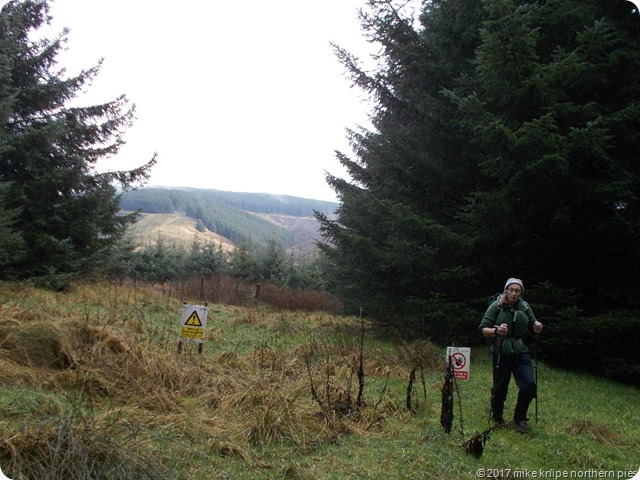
point(601, 433)
point(37, 343)
point(13, 374)
point(55, 446)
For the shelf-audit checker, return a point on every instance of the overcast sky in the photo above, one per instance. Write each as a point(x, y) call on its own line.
point(233, 95)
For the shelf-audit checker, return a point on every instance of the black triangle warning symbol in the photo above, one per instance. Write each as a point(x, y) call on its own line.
point(193, 320)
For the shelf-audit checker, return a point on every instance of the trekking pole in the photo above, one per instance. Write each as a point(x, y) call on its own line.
point(535, 359)
point(493, 386)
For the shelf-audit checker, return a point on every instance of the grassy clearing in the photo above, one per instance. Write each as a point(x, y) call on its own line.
point(91, 386)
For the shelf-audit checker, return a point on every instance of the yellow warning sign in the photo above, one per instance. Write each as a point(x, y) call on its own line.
point(193, 323)
point(193, 320)
point(191, 332)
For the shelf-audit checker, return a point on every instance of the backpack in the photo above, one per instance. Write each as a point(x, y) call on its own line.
point(494, 298)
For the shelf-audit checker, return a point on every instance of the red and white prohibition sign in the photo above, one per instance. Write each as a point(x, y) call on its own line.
point(460, 360)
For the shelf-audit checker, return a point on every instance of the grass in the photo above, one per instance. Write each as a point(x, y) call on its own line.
point(91, 386)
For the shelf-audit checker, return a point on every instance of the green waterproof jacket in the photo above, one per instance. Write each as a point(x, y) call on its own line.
point(519, 320)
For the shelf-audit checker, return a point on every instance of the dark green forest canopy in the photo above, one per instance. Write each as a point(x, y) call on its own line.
point(505, 142)
point(269, 203)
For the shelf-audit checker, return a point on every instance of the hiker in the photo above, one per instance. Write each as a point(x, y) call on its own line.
point(509, 320)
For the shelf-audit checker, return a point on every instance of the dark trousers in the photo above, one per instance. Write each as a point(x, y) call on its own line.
point(503, 367)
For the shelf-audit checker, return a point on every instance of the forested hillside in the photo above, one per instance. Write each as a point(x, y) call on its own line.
point(227, 213)
point(267, 203)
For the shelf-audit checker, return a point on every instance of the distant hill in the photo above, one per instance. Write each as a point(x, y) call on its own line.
point(234, 217)
point(175, 229)
point(268, 203)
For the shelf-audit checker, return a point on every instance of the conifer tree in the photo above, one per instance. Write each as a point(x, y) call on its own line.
point(11, 243)
point(397, 237)
point(242, 263)
point(271, 263)
point(68, 211)
point(504, 141)
point(553, 106)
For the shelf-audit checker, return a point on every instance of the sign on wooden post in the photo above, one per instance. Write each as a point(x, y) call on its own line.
point(193, 321)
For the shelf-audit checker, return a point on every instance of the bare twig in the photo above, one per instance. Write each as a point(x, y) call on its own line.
point(361, 363)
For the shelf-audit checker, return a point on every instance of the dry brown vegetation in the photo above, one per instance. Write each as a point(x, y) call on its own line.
point(597, 431)
point(113, 391)
point(229, 291)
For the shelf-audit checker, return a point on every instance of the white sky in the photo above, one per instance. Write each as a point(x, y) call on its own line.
point(233, 95)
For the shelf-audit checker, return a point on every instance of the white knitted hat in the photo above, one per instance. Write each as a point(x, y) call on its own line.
point(511, 281)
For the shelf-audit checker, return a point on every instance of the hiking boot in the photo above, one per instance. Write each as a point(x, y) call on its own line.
point(521, 426)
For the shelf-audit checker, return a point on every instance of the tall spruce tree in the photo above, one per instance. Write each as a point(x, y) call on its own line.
point(11, 243)
point(505, 142)
point(553, 105)
point(396, 244)
point(68, 213)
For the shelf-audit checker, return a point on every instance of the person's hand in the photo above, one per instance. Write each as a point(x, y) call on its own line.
point(502, 329)
point(537, 327)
